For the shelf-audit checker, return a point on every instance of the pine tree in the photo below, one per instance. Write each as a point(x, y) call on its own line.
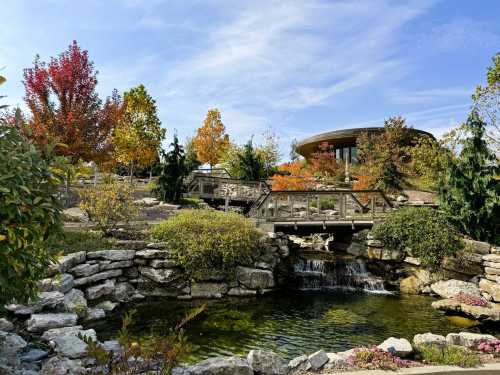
point(250, 164)
point(172, 173)
point(471, 192)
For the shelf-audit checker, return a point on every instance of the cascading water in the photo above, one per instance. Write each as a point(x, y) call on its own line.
point(335, 274)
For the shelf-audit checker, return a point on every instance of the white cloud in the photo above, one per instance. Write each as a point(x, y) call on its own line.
point(267, 59)
point(429, 96)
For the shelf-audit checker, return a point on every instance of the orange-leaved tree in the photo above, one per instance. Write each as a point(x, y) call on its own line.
point(293, 176)
point(211, 139)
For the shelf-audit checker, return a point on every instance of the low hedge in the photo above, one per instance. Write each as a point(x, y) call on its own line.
point(208, 241)
point(425, 231)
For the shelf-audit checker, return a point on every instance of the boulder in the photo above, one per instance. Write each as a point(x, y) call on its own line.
point(450, 288)
point(75, 302)
point(18, 309)
point(266, 362)
point(208, 290)
point(62, 366)
point(70, 346)
point(124, 292)
point(34, 355)
point(492, 288)
point(467, 339)
point(335, 360)
point(429, 339)
point(241, 292)
point(317, 360)
point(6, 325)
point(11, 344)
point(75, 214)
point(94, 314)
point(42, 322)
point(112, 255)
point(217, 366)
point(150, 254)
point(107, 306)
point(160, 275)
point(59, 283)
point(85, 269)
point(298, 364)
point(100, 290)
point(50, 300)
point(400, 347)
point(410, 285)
point(412, 260)
point(253, 278)
point(98, 277)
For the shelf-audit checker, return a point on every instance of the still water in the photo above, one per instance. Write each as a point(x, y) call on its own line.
point(289, 324)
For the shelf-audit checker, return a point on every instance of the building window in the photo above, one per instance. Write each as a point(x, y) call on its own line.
point(354, 155)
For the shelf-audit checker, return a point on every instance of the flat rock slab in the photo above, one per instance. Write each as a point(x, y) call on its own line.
point(450, 288)
point(217, 366)
point(113, 255)
point(489, 313)
point(43, 322)
point(467, 339)
point(98, 277)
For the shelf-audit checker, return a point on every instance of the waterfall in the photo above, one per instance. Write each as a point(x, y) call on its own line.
point(336, 274)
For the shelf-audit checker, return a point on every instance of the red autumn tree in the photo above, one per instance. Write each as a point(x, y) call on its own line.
point(65, 107)
point(322, 163)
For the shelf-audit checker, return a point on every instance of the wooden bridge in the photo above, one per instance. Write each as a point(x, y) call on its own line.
point(224, 189)
point(338, 207)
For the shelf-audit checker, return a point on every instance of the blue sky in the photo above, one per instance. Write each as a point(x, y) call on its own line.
point(295, 67)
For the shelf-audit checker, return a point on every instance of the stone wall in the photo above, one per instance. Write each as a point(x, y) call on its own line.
point(87, 285)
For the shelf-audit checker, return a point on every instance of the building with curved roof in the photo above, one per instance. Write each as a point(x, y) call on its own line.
point(342, 142)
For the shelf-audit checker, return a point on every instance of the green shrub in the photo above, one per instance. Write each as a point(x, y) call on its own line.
point(108, 204)
point(448, 355)
point(29, 213)
point(424, 231)
point(204, 241)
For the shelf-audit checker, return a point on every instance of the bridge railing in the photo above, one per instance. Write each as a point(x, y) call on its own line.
point(331, 205)
point(213, 187)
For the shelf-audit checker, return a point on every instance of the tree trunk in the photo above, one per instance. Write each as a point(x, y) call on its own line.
point(131, 171)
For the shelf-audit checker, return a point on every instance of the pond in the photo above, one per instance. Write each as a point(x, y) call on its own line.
point(290, 324)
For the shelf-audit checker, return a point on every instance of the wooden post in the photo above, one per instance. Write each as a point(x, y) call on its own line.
point(290, 202)
point(341, 205)
point(373, 207)
point(276, 207)
point(307, 207)
point(318, 201)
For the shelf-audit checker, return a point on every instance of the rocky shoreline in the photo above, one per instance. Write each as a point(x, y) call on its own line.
point(45, 336)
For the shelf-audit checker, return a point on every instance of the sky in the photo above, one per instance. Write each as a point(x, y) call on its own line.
point(294, 68)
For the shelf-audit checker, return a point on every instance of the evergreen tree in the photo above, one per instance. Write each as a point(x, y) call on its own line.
point(250, 164)
point(471, 193)
point(172, 173)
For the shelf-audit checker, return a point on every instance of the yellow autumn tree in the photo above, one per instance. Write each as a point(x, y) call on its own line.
point(211, 139)
point(137, 137)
